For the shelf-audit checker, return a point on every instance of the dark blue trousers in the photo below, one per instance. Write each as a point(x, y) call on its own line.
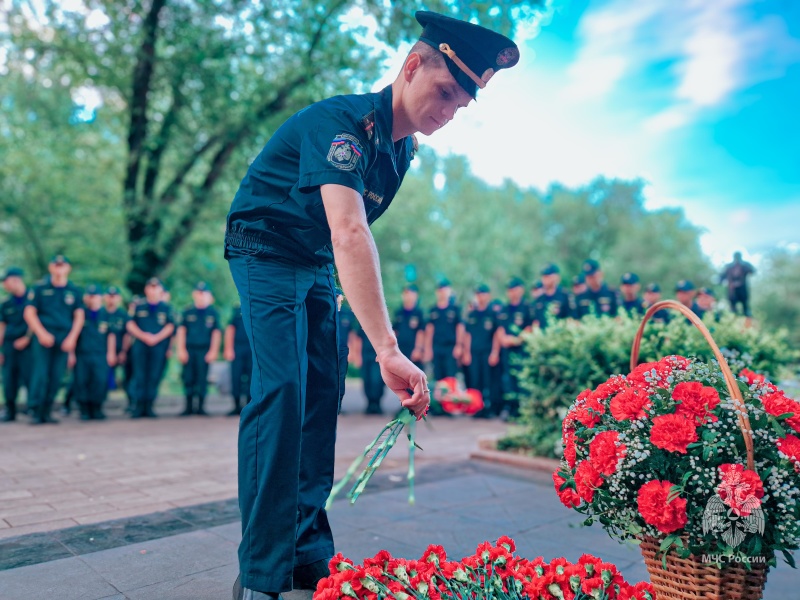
point(287, 433)
point(49, 365)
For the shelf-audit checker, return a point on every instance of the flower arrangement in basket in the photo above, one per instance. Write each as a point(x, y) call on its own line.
point(456, 400)
point(492, 573)
point(700, 467)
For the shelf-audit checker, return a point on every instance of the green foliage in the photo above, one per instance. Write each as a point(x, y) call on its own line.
point(776, 292)
point(572, 356)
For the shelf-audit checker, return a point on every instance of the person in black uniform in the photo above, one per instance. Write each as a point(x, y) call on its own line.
point(515, 319)
point(15, 341)
point(54, 313)
point(444, 333)
point(735, 274)
point(481, 324)
point(604, 299)
point(553, 302)
point(197, 341)
point(237, 352)
point(685, 293)
point(707, 302)
point(366, 359)
point(117, 320)
point(151, 326)
point(630, 301)
point(652, 294)
point(323, 177)
point(537, 289)
point(580, 302)
point(409, 325)
point(96, 352)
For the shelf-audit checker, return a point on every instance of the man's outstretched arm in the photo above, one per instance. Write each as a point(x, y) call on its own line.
point(359, 272)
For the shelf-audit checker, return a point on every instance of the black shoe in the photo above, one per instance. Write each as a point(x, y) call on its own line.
point(242, 593)
point(186, 412)
point(373, 409)
point(201, 412)
point(37, 421)
point(235, 412)
point(306, 577)
point(150, 414)
point(85, 417)
point(99, 415)
point(51, 419)
point(7, 418)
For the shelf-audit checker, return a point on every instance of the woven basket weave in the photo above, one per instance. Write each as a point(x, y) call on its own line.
point(691, 578)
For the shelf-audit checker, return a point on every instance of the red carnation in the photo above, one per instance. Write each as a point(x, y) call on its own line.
point(587, 479)
point(614, 385)
point(789, 446)
point(756, 378)
point(568, 496)
point(629, 404)
point(740, 488)
point(605, 453)
point(588, 413)
point(656, 511)
point(776, 403)
point(673, 433)
point(570, 449)
point(506, 541)
point(695, 401)
point(649, 375)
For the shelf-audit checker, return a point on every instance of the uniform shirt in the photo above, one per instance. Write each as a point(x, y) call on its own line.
point(514, 319)
point(547, 306)
point(736, 274)
point(581, 305)
point(11, 313)
point(406, 324)
point(604, 300)
point(634, 308)
point(240, 335)
point(345, 140)
point(660, 316)
point(152, 318)
point(199, 323)
point(481, 325)
point(94, 335)
point(445, 322)
point(116, 324)
point(55, 306)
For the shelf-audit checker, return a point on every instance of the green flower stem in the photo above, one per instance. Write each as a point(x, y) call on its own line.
point(412, 430)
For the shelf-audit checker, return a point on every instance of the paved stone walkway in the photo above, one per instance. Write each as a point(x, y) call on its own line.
point(76, 472)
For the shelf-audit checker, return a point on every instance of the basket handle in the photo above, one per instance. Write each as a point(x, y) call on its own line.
point(730, 381)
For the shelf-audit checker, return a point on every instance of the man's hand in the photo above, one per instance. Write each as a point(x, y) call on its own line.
point(457, 351)
point(229, 355)
point(46, 339)
point(401, 375)
point(466, 358)
point(183, 356)
point(210, 357)
point(122, 357)
point(22, 343)
point(494, 359)
point(71, 360)
point(416, 355)
point(111, 359)
point(69, 343)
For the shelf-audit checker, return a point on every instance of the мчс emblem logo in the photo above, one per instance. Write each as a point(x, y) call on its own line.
point(345, 152)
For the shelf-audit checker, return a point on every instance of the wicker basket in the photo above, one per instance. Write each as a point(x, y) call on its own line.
point(691, 578)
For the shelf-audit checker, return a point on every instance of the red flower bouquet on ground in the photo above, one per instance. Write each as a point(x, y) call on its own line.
point(492, 573)
point(455, 400)
point(689, 460)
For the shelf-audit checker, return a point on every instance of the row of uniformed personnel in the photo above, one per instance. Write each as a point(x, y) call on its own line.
point(485, 342)
point(55, 325)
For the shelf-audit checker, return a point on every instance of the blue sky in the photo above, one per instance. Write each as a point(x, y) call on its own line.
point(698, 98)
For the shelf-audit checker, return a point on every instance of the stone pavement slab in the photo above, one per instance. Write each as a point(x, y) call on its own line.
point(458, 505)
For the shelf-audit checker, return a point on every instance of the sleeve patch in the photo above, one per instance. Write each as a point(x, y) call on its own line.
point(345, 152)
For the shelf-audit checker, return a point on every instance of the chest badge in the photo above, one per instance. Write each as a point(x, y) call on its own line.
point(69, 299)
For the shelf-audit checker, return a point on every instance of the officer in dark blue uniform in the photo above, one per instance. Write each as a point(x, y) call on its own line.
point(237, 352)
point(197, 341)
point(15, 341)
point(96, 352)
point(444, 333)
point(707, 302)
point(409, 325)
point(580, 302)
point(324, 176)
point(117, 320)
point(366, 360)
point(151, 325)
point(481, 325)
point(54, 313)
point(685, 293)
point(516, 318)
point(652, 294)
point(604, 299)
point(553, 302)
point(630, 300)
